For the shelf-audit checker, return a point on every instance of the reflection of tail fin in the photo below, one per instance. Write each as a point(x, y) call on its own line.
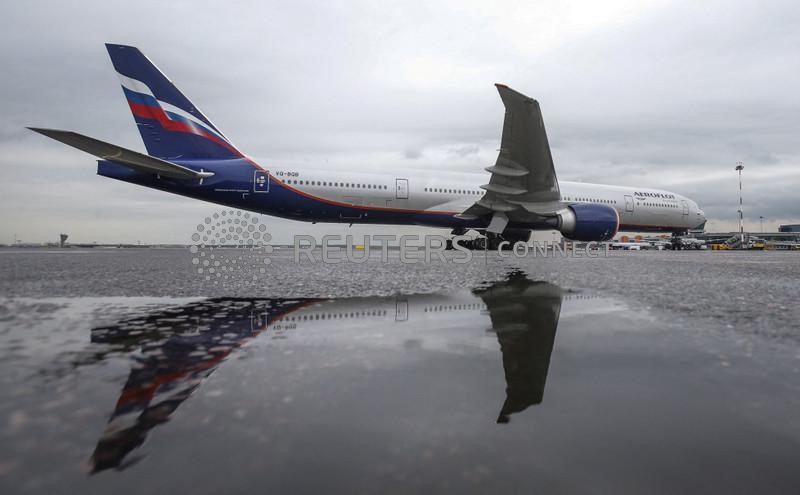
point(176, 359)
point(170, 125)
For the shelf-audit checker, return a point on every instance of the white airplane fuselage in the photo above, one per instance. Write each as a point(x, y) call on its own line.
point(449, 193)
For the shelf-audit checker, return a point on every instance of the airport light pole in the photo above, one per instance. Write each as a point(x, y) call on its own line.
point(739, 168)
point(761, 219)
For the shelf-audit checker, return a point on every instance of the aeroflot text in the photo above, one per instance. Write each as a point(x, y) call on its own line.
point(424, 249)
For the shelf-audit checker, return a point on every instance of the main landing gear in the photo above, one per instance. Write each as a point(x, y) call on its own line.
point(489, 240)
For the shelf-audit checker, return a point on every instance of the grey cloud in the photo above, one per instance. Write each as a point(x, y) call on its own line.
point(669, 96)
point(466, 150)
point(412, 154)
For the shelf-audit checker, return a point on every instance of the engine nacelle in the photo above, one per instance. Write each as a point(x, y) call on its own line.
point(587, 222)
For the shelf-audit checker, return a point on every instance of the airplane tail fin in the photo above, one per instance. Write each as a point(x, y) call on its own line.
point(171, 126)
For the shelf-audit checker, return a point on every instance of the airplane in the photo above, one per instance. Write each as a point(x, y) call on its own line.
point(190, 156)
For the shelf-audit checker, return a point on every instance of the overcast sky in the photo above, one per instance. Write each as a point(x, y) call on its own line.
point(668, 95)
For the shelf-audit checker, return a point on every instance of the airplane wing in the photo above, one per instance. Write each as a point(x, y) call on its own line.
point(523, 181)
point(117, 154)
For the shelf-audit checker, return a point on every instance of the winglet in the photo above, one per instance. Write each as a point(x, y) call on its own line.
point(511, 96)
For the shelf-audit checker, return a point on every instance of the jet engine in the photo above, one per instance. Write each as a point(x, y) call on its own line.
point(586, 222)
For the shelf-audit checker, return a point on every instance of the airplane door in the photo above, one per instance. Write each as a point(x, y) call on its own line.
point(401, 189)
point(685, 206)
point(628, 203)
point(260, 181)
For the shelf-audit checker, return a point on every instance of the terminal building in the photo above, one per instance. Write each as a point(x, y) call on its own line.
point(790, 228)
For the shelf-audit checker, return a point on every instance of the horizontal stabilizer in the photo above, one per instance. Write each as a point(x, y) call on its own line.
point(117, 154)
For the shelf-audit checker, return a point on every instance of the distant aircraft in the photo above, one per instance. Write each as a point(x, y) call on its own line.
point(190, 156)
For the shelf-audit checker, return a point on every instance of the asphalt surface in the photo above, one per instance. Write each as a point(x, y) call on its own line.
point(128, 371)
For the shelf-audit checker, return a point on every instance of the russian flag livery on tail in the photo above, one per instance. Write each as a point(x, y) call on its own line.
point(171, 126)
point(188, 155)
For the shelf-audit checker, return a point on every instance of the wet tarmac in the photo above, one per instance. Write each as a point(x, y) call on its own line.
point(123, 371)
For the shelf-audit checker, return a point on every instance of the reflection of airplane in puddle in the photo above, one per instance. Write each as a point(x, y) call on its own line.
point(178, 347)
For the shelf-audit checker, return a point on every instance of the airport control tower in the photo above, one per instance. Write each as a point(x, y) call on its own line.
point(63, 240)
